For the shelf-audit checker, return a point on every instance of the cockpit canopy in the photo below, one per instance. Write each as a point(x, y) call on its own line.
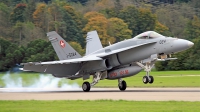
point(148, 35)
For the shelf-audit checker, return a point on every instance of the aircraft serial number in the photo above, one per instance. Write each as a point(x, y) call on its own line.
point(162, 41)
point(71, 54)
point(122, 72)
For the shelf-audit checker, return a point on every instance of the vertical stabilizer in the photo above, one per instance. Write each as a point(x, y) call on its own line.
point(93, 42)
point(63, 50)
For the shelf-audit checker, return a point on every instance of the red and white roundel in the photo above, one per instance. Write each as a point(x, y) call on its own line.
point(62, 43)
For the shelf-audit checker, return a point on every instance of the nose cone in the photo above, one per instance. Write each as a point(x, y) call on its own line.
point(181, 44)
point(190, 44)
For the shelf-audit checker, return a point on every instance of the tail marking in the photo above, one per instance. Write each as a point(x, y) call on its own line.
point(62, 43)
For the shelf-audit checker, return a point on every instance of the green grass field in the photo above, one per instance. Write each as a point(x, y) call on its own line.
point(162, 79)
point(98, 106)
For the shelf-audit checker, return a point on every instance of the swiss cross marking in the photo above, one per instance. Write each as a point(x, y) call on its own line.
point(62, 44)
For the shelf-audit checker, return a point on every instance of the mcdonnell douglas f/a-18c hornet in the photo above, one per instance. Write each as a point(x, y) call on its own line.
point(116, 61)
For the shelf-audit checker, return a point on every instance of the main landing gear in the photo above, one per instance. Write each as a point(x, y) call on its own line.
point(147, 79)
point(98, 75)
point(86, 85)
point(122, 84)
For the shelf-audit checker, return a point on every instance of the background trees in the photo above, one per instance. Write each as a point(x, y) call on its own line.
point(138, 20)
point(71, 26)
point(192, 30)
point(118, 29)
point(189, 59)
point(5, 25)
point(99, 23)
point(24, 24)
point(40, 17)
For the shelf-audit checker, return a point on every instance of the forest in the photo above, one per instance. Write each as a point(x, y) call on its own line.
point(24, 24)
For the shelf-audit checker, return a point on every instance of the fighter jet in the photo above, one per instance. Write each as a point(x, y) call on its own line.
point(116, 61)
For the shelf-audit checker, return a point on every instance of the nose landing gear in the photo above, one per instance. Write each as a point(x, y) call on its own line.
point(147, 79)
point(151, 79)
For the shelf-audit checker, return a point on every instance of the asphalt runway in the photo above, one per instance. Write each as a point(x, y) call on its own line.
point(137, 94)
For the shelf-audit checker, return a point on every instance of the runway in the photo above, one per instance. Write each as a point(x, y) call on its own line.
point(137, 94)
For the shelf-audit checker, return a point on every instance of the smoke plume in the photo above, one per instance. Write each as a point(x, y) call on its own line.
point(44, 82)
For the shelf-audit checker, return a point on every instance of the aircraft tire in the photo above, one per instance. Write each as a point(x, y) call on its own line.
point(86, 86)
point(123, 85)
point(145, 79)
point(151, 79)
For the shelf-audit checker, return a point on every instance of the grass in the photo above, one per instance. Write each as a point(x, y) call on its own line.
point(161, 79)
point(179, 79)
point(99, 106)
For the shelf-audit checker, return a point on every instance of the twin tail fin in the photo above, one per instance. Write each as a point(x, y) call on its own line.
point(63, 50)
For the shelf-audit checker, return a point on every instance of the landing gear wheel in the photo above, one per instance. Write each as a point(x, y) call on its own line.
point(145, 79)
point(122, 85)
point(86, 86)
point(151, 79)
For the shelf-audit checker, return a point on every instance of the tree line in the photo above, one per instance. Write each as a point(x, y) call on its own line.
point(24, 24)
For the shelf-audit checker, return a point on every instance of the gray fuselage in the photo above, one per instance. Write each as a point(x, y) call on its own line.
point(161, 45)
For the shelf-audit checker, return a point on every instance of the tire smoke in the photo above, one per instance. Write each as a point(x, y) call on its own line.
point(41, 83)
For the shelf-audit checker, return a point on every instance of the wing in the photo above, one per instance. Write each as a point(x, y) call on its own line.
point(64, 68)
point(58, 70)
point(102, 55)
point(78, 60)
